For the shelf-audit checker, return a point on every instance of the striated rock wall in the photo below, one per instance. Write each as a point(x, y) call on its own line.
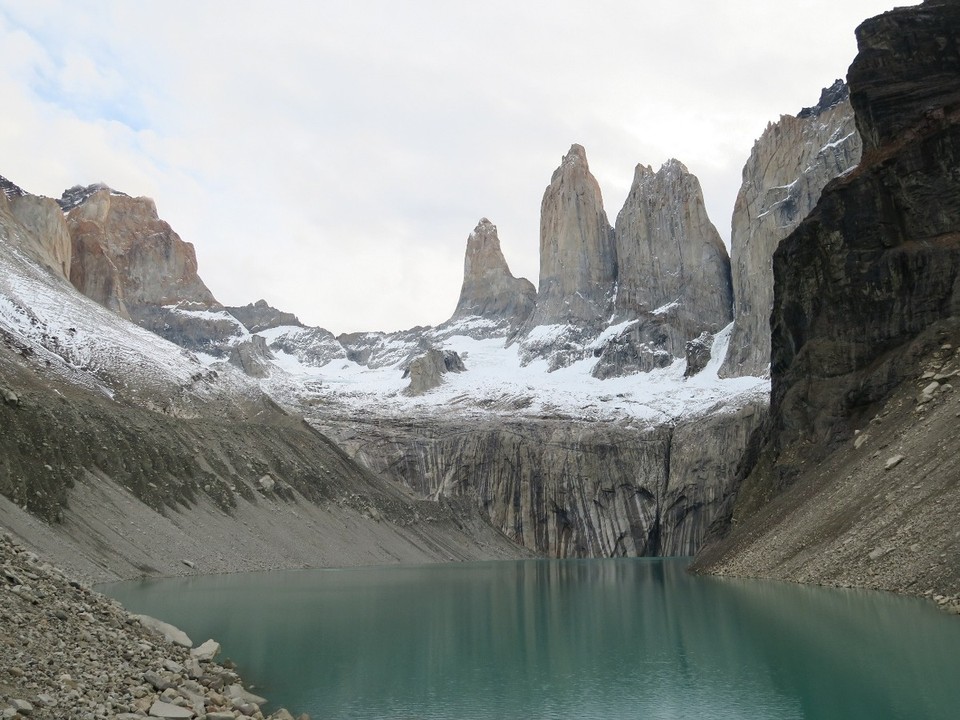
point(578, 258)
point(44, 223)
point(489, 289)
point(856, 473)
point(782, 180)
point(565, 488)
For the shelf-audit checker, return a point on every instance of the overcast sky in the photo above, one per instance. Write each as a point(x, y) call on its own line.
point(332, 157)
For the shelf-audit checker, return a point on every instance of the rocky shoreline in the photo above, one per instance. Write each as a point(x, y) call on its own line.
point(70, 653)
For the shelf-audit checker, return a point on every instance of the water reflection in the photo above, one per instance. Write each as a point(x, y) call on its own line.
point(560, 639)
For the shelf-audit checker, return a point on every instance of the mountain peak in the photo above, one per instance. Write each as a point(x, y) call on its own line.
point(489, 289)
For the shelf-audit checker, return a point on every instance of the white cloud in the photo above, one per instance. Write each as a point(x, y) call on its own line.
point(333, 157)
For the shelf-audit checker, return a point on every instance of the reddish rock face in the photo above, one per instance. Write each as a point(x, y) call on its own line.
point(129, 260)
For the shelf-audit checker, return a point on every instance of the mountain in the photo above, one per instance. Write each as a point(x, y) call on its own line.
point(788, 168)
point(855, 479)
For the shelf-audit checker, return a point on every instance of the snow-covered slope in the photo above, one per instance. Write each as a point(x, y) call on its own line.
point(498, 379)
point(45, 318)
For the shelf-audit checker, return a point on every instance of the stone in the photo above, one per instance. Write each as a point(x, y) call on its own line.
point(426, 372)
point(238, 692)
point(893, 462)
point(9, 397)
point(206, 651)
point(489, 289)
point(259, 316)
point(22, 706)
point(170, 633)
point(266, 483)
point(162, 709)
point(220, 715)
point(281, 714)
point(698, 353)
point(252, 356)
point(789, 166)
point(45, 236)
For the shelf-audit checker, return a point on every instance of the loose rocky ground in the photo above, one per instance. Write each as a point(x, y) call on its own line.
point(880, 511)
point(69, 653)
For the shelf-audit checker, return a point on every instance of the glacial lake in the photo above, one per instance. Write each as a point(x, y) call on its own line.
point(591, 639)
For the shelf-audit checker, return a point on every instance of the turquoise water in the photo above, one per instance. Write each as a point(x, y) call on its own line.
point(587, 639)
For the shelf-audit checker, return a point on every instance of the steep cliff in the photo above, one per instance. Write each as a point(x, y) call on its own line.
point(132, 262)
point(489, 289)
point(578, 258)
point(40, 228)
point(857, 479)
point(561, 487)
point(673, 274)
point(782, 180)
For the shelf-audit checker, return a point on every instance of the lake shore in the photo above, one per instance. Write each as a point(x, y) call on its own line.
point(72, 653)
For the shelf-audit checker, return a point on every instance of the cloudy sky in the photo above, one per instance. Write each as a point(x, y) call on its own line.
point(332, 156)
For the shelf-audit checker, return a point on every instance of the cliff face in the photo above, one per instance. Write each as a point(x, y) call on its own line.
point(578, 259)
point(489, 289)
point(36, 226)
point(782, 180)
point(132, 262)
point(865, 321)
point(673, 274)
point(669, 252)
point(565, 488)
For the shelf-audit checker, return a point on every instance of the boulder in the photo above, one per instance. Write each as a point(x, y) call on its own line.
point(171, 633)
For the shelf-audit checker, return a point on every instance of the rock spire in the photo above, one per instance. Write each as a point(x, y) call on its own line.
point(578, 257)
point(489, 290)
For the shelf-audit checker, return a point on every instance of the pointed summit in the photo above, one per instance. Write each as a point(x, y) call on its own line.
point(669, 252)
point(489, 289)
point(578, 259)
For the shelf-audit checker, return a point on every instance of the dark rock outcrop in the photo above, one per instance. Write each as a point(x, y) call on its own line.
point(867, 297)
point(782, 180)
point(260, 315)
point(489, 289)
point(698, 354)
point(426, 372)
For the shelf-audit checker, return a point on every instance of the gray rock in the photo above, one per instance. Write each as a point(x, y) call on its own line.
point(892, 462)
point(698, 353)
point(238, 692)
point(669, 255)
point(22, 706)
point(172, 634)
point(9, 397)
point(266, 483)
point(167, 710)
point(206, 651)
point(426, 372)
point(578, 257)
